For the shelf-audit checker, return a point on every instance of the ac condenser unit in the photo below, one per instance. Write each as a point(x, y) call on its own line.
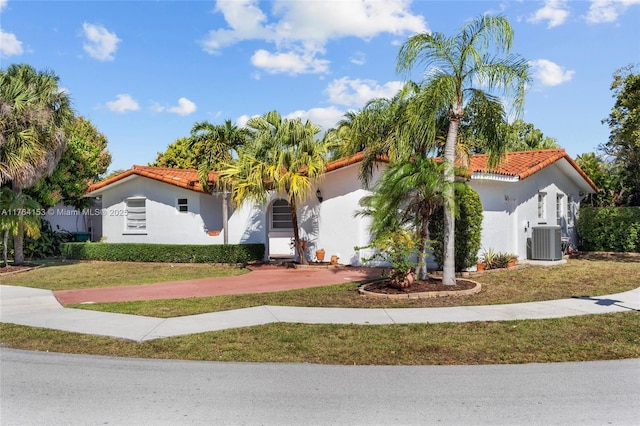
point(546, 243)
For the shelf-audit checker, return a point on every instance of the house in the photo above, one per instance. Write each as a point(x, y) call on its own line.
point(529, 190)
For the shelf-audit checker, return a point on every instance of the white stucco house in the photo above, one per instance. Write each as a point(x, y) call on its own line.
point(528, 191)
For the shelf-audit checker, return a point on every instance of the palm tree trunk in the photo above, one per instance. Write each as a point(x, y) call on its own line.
point(449, 267)
point(421, 267)
point(5, 241)
point(18, 253)
point(296, 234)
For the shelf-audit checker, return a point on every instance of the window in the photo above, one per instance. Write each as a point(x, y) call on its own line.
point(183, 205)
point(542, 205)
point(136, 215)
point(559, 208)
point(281, 215)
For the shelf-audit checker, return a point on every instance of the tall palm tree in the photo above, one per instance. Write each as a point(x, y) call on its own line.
point(284, 156)
point(19, 211)
point(34, 113)
point(456, 68)
point(217, 143)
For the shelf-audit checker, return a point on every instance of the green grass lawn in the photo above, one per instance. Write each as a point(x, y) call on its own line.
point(591, 337)
point(61, 275)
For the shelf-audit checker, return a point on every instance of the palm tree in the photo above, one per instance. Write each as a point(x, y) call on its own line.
point(284, 157)
point(34, 113)
point(374, 130)
point(457, 67)
point(407, 195)
point(216, 143)
point(18, 211)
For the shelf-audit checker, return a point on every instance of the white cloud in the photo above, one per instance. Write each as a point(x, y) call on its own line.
point(3, 4)
point(9, 45)
point(358, 58)
point(123, 103)
point(325, 118)
point(291, 62)
point(605, 11)
point(549, 73)
point(100, 44)
point(300, 30)
point(554, 11)
point(185, 107)
point(357, 92)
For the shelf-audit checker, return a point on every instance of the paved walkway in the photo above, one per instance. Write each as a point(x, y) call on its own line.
point(40, 308)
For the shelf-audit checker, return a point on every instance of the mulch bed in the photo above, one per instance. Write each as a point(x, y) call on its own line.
point(383, 287)
point(12, 269)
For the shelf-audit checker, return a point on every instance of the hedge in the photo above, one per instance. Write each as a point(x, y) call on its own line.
point(468, 234)
point(610, 228)
point(176, 253)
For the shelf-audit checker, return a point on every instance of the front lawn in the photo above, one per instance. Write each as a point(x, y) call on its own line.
point(68, 275)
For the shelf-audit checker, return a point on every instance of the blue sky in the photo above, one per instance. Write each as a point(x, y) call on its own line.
point(145, 71)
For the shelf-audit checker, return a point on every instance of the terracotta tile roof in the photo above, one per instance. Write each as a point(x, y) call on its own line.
point(183, 178)
point(347, 161)
point(520, 164)
point(523, 164)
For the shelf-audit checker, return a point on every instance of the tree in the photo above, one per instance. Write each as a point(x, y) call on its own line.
point(373, 130)
point(282, 156)
point(179, 155)
point(17, 212)
point(406, 196)
point(84, 161)
point(605, 177)
point(34, 113)
point(211, 146)
point(624, 125)
point(456, 68)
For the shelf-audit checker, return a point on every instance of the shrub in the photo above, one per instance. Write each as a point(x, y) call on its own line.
point(176, 253)
point(468, 229)
point(48, 244)
point(610, 228)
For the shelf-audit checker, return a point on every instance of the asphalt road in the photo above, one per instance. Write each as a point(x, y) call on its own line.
point(56, 389)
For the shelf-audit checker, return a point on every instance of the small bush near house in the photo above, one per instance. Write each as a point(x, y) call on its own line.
point(176, 253)
point(468, 229)
point(610, 228)
point(48, 244)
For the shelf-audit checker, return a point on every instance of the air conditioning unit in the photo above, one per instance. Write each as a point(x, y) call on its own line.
point(546, 243)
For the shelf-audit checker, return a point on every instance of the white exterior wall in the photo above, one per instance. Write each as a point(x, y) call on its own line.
point(70, 219)
point(336, 228)
point(511, 209)
point(166, 225)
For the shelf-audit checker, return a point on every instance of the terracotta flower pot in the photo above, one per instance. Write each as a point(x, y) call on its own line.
point(481, 266)
point(320, 255)
point(334, 259)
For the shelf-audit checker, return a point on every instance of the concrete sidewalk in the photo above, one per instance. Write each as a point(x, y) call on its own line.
point(39, 308)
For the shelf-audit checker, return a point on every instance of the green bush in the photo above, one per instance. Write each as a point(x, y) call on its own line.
point(610, 228)
point(468, 229)
point(176, 253)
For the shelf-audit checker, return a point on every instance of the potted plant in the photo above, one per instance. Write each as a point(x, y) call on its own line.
point(513, 260)
point(320, 255)
point(488, 259)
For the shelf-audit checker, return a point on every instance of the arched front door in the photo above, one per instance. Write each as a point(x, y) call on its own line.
point(280, 229)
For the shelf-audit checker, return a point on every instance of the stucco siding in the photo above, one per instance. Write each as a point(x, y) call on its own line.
point(511, 209)
point(164, 223)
